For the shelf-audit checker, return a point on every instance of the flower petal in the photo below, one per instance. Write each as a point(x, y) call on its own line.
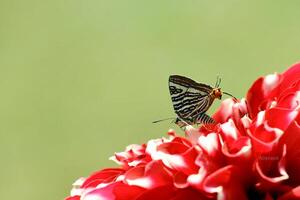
point(114, 191)
point(154, 174)
point(290, 76)
point(102, 176)
point(294, 194)
point(259, 91)
point(291, 139)
point(227, 183)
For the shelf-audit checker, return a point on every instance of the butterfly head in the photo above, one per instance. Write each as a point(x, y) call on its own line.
point(217, 93)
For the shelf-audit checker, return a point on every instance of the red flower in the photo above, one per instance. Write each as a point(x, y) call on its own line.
point(252, 153)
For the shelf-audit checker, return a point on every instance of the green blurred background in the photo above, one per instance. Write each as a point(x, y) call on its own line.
point(80, 80)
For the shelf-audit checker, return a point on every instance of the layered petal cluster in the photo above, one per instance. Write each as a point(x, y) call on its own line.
point(253, 152)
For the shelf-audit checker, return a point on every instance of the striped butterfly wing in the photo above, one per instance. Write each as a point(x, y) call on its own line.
point(204, 119)
point(189, 98)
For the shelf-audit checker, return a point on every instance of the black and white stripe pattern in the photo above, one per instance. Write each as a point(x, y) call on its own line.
point(190, 99)
point(204, 119)
point(201, 118)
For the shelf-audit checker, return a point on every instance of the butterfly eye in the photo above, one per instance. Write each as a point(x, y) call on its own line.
point(217, 93)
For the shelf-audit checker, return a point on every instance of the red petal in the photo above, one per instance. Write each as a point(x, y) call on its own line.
point(229, 131)
point(114, 191)
point(159, 193)
point(239, 151)
point(173, 148)
point(227, 183)
point(154, 174)
point(255, 97)
point(264, 138)
point(224, 112)
point(294, 194)
point(290, 76)
point(192, 134)
point(180, 180)
point(280, 118)
point(196, 180)
point(291, 138)
point(73, 198)
point(272, 169)
point(210, 144)
point(189, 194)
point(179, 156)
point(289, 100)
point(102, 176)
point(171, 193)
point(260, 93)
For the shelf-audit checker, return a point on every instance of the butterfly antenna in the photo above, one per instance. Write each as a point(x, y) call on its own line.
point(162, 120)
point(229, 95)
point(218, 82)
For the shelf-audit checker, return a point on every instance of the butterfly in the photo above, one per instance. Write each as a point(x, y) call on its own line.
point(191, 100)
